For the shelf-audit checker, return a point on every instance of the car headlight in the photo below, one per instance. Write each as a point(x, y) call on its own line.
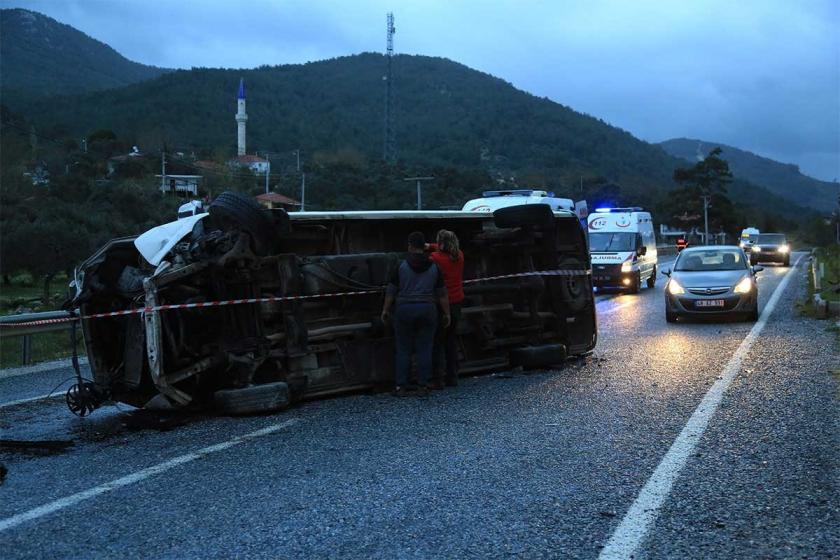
point(756, 249)
point(674, 288)
point(743, 244)
point(784, 249)
point(744, 286)
point(626, 266)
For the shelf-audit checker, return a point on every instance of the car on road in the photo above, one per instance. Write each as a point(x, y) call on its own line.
point(748, 236)
point(770, 247)
point(712, 281)
point(245, 309)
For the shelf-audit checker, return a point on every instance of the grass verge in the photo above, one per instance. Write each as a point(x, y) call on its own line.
point(829, 258)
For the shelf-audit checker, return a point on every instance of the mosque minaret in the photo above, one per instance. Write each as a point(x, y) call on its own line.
point(241, 119)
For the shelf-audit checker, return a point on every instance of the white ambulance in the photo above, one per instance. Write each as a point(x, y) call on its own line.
point(622, 244)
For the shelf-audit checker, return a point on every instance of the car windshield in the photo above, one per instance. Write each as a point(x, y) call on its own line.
point(618, 241)
point(771, 239)
point(712, 259)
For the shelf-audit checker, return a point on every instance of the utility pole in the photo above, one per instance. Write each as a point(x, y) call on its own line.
point(837, 224)
point(706, 218)
point(162, 172)
point(267, 171)
point(419, 188)
point(84, 144)
point(302, 182)
point(388, 144)
point(303, 192)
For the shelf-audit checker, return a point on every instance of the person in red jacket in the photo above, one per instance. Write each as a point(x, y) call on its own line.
point(449, 258)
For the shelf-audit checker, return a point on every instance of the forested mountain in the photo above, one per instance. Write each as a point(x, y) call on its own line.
point(782, 179)
point(446, 115)
point(40, 56)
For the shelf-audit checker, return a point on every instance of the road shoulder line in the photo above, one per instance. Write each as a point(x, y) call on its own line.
point(644, 510)
point(32, 399)
point(73, 499)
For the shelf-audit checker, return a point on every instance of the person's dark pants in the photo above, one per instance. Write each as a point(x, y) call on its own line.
point(446, 348)
point(414, 327)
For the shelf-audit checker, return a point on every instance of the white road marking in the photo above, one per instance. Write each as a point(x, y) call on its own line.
point(636, 523)
point(32, 399)
point(615, 308)
point(73, 499)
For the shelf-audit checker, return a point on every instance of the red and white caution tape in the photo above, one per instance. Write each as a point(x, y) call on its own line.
point(270, 299)
point(534, 273)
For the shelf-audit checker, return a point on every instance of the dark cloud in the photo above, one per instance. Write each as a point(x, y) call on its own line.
point(760, 75)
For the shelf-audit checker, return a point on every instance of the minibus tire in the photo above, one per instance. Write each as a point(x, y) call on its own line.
point(574, 289)
point(248, 215)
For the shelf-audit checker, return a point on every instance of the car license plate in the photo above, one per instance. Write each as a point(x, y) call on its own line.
point(602, 278)
point(708, 303)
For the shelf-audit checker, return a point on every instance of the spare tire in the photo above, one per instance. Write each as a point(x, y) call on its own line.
point(244, 212)
point(258, 399)
point(533, 357)
point(524, 215)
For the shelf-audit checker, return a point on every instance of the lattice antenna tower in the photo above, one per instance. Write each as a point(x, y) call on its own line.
point(388, 150)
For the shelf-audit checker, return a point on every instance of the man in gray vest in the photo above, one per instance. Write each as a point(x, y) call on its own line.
point(416, 286)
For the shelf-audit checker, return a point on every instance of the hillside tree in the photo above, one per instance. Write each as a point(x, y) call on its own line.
point(706, 179)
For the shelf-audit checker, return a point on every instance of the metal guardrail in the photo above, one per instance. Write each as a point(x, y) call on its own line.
point(666, 250)
point(8, 328)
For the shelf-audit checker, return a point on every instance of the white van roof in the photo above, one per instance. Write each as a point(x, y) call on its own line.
point(493, 200)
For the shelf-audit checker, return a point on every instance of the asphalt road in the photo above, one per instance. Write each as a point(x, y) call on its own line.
point(550, 464)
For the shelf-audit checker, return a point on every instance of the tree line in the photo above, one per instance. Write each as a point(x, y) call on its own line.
point(50, 228)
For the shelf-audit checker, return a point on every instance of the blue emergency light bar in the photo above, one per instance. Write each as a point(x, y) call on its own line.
point(615, 210)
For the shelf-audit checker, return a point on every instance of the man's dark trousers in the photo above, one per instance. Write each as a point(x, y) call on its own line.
point(415, 325)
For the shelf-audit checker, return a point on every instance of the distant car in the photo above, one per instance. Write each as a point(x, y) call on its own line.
point(748, 236)
point(770, 247)
point(711, 281)
point(191, 208)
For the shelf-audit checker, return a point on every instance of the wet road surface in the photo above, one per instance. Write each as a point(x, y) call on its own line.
point(546, 464)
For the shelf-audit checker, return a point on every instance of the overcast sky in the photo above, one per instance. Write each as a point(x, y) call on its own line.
point(759, 75)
